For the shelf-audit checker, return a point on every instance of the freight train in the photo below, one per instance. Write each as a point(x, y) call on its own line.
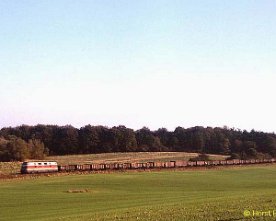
point(52, 166)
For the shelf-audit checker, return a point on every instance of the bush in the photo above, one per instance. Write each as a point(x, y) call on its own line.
point(16, 149)
point(234, 156)
point(201, 157)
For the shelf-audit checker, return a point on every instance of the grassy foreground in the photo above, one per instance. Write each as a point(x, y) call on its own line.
point(167, 195)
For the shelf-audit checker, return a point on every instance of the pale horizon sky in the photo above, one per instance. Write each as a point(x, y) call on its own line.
point(139, 63)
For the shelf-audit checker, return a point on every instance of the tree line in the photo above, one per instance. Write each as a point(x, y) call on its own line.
point(61, 140)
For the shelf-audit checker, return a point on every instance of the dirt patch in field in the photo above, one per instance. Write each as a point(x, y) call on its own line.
point(78, 191)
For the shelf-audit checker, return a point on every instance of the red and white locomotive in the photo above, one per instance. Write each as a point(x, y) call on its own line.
point(39, 167)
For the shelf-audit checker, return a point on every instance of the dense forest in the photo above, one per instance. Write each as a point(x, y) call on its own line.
point(23, 142)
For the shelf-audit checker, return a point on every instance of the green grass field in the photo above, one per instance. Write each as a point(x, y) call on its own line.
point(215, 194)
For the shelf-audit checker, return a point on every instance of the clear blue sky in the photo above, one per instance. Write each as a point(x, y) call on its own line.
point(139, 63)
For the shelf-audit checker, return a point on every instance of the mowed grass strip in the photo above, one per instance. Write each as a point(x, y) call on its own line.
point(166, 195)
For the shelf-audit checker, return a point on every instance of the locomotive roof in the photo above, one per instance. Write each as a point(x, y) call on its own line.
point(40, 161)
